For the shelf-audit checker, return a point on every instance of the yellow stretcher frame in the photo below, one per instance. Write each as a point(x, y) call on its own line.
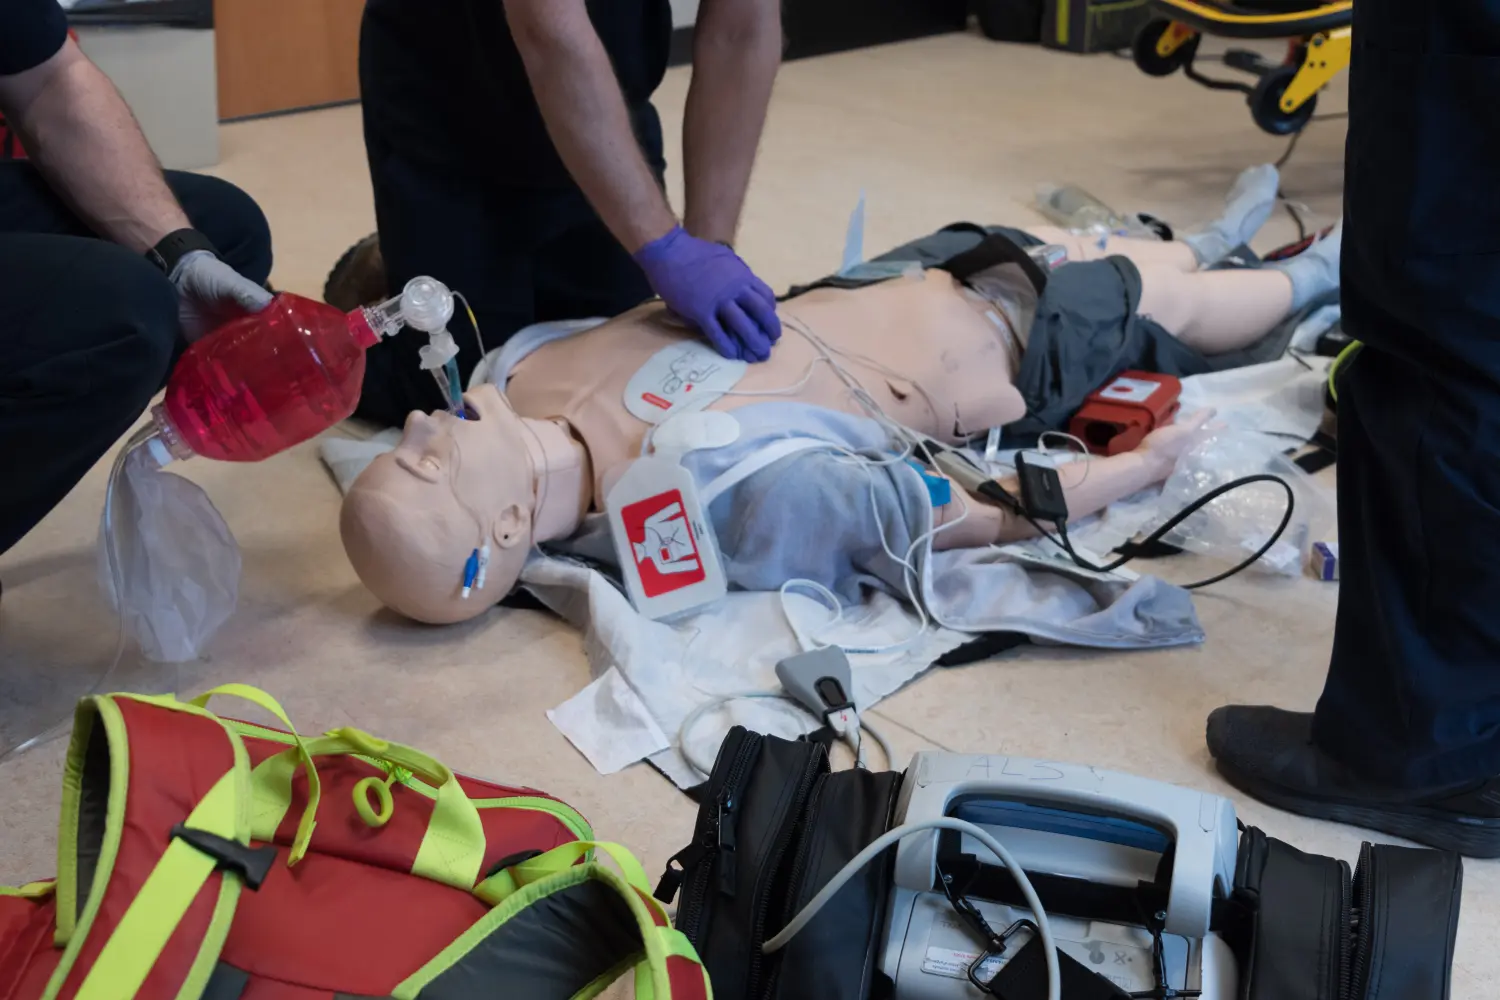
point(1284, 98)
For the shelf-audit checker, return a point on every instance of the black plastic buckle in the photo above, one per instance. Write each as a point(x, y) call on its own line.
point(252, 864)
point(996, 949)
point(511, 860)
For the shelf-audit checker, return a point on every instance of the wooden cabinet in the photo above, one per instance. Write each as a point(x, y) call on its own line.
point(281, 55)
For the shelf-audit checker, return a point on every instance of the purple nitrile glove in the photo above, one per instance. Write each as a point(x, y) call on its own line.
point(709, 286)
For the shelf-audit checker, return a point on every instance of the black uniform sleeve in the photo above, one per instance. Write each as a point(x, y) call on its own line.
point(31, 32)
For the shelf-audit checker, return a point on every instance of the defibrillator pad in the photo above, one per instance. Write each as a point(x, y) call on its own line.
point(685, 376)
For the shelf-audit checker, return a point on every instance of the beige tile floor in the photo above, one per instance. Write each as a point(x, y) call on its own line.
point(934, 131)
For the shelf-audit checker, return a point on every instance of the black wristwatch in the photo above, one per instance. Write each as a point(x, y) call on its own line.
point(175, 246)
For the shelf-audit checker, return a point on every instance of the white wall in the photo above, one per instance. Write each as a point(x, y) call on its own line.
point(168, 77)
point(684, 13)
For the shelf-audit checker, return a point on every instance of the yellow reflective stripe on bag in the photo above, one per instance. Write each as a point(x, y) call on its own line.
point(271, 783)
point(164, 898)
point(453, 847)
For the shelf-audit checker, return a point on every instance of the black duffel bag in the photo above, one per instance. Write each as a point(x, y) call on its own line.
point(775, 825)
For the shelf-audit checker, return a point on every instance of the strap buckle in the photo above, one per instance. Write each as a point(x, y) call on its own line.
point(251, 864)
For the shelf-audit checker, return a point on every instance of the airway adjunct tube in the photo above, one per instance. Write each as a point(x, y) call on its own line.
point(265, 382)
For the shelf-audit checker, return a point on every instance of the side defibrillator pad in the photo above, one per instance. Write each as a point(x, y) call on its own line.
point(684, 376)
point(665, 545)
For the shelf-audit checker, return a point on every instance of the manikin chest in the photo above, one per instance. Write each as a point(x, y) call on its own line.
point(922, 350)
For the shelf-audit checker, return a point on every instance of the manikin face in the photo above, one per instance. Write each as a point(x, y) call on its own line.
point(415, 516)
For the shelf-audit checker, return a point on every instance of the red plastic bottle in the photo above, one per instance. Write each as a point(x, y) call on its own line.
point(263, 383)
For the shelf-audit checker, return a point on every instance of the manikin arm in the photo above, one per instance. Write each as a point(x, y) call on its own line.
point(1089, 488)
point(736, 50)
point(584, 109)
point(84, 140)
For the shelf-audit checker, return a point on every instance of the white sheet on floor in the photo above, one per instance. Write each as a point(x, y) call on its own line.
point(1282, 398)
point(650, 674)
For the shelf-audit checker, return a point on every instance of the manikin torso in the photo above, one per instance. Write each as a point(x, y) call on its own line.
point(955, 369)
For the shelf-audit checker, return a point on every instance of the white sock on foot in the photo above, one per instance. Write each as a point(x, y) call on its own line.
point(1249, 204)
point(1315, 270)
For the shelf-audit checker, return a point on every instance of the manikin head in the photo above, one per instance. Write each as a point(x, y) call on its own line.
point(413, 518)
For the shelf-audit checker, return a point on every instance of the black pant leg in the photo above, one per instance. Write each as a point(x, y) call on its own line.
point(478, 239)
point(1413, 689)
point(230, 218)
point(90, 333)
point(225, 214)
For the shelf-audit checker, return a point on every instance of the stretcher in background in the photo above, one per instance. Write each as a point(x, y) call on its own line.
point(1285, 95)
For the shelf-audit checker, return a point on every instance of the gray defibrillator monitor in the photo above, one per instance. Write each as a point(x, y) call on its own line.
point(1127, 868)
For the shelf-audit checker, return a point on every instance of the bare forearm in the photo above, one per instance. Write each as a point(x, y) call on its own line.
point(586, 117)
point(736, 51)
point(83, 138)
point(1089, 488)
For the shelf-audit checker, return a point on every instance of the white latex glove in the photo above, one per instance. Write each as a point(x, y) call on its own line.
point(211, 293)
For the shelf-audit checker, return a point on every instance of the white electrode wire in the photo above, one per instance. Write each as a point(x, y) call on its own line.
point(784, 390)
point(685, 731)
point(116, 577)
point(912, 442)
point(856, 747)
point(828, 350)
point(1083, 449)
point(890, 837)
point(474, 322)
point(880, 741)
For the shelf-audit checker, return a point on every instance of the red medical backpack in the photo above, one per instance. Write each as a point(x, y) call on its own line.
point(202, 858)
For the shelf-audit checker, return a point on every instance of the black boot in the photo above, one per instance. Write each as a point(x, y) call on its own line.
point(1268, 753)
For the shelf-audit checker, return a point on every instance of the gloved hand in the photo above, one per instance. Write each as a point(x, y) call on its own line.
point(709, 286)
point(211, 293)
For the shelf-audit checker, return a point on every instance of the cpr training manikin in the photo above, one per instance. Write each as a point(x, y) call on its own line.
point(798, 461)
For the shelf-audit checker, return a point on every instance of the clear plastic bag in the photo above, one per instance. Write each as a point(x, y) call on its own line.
point(179, 565)
point(1074, 209)
point(1239, 522)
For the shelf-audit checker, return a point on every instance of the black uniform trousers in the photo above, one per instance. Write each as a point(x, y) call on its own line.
point(1413, 690)
point(89, 331)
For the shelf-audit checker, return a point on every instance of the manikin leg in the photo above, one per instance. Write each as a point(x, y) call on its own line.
point(1246, 208)
point(1215, 311)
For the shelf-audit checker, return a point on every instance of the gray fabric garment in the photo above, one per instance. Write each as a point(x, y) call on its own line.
point(810, 516)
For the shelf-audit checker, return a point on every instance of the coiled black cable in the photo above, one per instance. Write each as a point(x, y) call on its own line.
point(1061, 538)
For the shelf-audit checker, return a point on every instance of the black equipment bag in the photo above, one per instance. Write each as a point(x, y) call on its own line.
point(774, 827)
point(1305, 927)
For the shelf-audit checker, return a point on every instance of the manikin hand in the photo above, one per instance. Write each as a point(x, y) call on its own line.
point(708, 285)
point(1165, 445)
point(211, 293)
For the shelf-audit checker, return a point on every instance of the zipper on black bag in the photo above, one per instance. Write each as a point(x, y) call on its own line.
point(790, 895)
point(1346, 903)
point(695, 863)
point(1362, 926)
point(777, 885)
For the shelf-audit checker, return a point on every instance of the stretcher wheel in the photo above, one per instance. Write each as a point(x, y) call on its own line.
point(1265, 103)
point(1151, 62)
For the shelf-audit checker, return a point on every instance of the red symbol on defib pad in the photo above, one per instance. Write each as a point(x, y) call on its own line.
point(656, 400)
point(662, 544)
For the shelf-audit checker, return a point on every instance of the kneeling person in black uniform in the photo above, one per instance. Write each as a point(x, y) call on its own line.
point(515, 153)
point(108, 268)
